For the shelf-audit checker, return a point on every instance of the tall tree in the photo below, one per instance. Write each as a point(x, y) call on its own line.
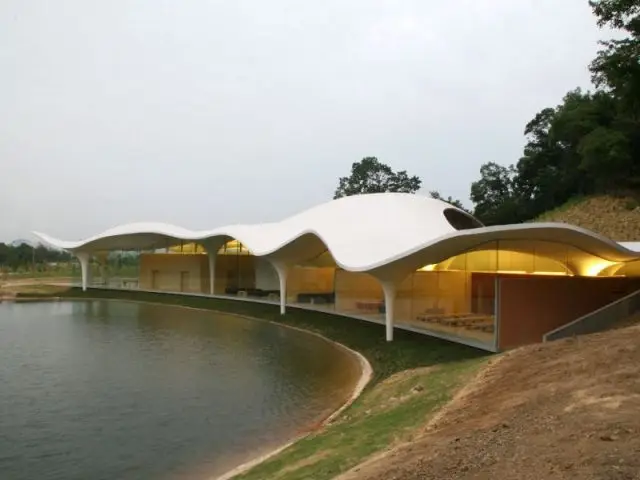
point(371, 176)
point(616, 67)
point(590, 143)
point(616, 70)
point(494, 195)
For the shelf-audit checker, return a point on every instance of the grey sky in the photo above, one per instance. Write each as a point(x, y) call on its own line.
point(203, 113)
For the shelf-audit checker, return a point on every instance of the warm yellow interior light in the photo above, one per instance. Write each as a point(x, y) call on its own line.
point(593, 268)
point(428, 268)
point(550, 273)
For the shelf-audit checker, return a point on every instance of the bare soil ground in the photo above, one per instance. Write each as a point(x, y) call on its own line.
point(564, 410)
point(615, 217)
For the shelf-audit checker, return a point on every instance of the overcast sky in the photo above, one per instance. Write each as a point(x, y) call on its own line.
point(204, 113)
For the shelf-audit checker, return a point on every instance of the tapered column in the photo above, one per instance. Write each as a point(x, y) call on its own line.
point(282, 270)
point(389, 290)
point(212, 253)
point(83, 257)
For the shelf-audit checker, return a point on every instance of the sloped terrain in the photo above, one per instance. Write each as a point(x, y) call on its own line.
point(615, 217)
point(562, 410)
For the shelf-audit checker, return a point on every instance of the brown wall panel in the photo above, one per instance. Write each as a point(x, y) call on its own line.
point(353, 288)
point(309, 280)
point(532, 306)
point(171, 272)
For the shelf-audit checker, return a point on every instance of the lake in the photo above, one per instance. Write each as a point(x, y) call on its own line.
point(123, 390)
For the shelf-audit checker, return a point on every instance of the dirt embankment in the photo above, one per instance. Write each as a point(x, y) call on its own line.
point(563, 410)
point(617, 218)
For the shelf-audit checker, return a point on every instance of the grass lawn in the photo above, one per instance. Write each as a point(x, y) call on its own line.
point(412, 377)
point(67, 271)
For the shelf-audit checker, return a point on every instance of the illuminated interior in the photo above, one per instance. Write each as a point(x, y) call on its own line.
point(232, 247)
point(512, 257)
point(533, 258)
point(456, 298)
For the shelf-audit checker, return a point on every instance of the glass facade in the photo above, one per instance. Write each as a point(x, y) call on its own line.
point(456, 298)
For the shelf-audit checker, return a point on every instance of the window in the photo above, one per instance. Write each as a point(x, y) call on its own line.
point(461, 220)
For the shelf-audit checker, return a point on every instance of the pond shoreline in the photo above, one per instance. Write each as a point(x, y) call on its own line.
point(366, 373)
point(365, 378)
point(424, 372)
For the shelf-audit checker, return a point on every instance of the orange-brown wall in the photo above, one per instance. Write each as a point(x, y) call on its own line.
point(532, 306)
point(170, 268)
point(309, 280)
point(231, 270)
point(483, 293)
point(354, 287)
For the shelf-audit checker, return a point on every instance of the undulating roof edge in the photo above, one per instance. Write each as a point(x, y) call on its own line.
point(362, 233)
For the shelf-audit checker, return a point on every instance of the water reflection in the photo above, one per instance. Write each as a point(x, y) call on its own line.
point(106, 389)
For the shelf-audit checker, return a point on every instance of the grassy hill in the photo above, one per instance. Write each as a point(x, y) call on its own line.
point(561, 410)
point(617, 217)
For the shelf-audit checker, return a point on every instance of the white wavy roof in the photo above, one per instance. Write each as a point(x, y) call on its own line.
point(363, 233)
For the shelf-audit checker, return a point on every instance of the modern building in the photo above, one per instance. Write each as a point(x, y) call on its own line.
point(403, 260)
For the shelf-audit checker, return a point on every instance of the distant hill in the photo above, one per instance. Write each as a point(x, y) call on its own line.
point(616, 217)
point(20, 241)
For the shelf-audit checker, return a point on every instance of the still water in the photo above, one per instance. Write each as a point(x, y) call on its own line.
point(122, 390)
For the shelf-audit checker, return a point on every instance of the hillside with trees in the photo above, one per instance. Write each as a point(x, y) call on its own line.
point(587, 145)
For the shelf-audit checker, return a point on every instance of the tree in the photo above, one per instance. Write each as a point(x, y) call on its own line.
point(456, 203)
point(23, 256)
point(550, 171)
point(494, 195)
point(616, 67)
point(589, 143)
point(616, 70)
point(371, 176)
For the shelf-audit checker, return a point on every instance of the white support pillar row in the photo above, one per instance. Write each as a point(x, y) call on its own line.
point(389, 290)
point(282, 270)
point(212, 253)
point(83, 257)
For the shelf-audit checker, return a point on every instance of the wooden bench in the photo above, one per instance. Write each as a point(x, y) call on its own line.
point(374, 306)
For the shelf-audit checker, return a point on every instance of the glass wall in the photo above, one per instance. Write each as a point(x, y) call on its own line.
point(359, 294)
point(116, 269)
point(457, 297)
point(454, 298)
point(456, 303)
point(312, 286)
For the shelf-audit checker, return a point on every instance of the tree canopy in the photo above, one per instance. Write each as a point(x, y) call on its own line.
point(371, 176)
point(25, 256)
point(589, 143)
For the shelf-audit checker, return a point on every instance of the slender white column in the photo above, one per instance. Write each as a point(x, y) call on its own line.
point(282, 270)
point(389, 290)
point(212, 269)
point(84, 268)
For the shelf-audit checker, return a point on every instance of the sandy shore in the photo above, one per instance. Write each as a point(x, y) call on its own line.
point(365, 377)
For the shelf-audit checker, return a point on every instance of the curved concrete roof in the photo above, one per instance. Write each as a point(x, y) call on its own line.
point(363, 233)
